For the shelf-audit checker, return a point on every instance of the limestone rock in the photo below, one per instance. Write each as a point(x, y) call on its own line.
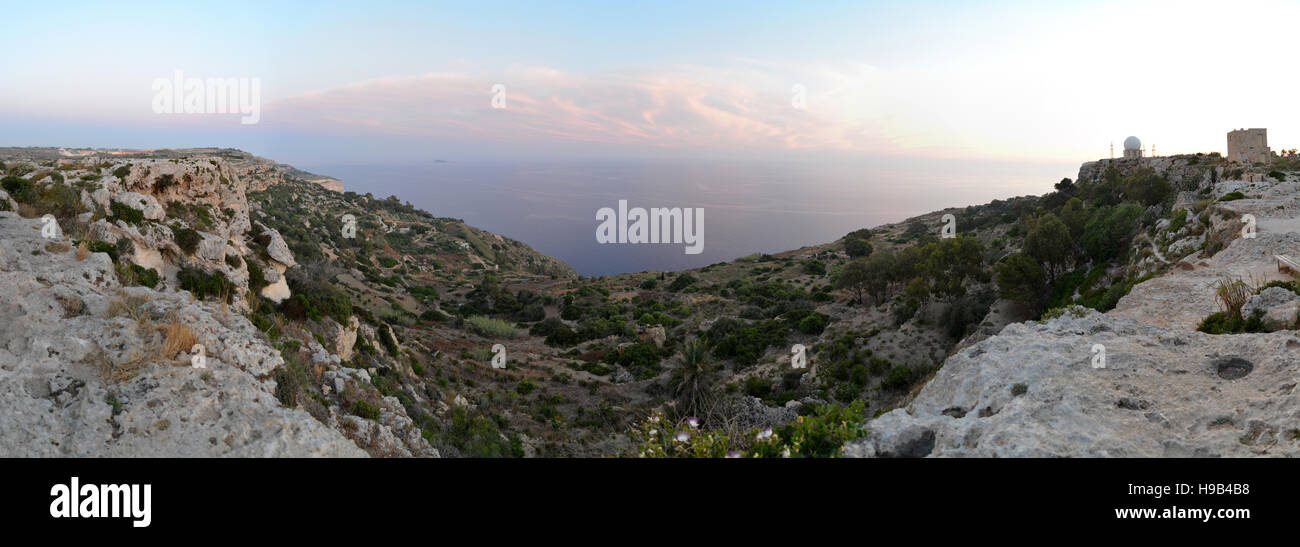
point(342, 338)
point(276, 248)
point(146, 204)
point(1278, 304)
point(83, 371)
point(1032, 391)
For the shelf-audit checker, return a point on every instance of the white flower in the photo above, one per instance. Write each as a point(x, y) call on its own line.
point(694, 422)
point(683, 436)
point(733, 454)
point(786, 452)
point(766, 433)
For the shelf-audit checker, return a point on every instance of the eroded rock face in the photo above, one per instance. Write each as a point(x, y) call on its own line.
point(343, 338)
point(202, 194)
point(84, 369)
point(1032, 391)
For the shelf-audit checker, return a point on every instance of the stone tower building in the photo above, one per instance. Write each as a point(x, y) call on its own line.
point(1249, 146)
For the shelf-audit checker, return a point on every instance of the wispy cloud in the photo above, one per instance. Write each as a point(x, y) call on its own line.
point(750, 108)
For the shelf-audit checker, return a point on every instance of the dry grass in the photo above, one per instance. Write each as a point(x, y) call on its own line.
point(127, 305)
point(57, 247)
point(83, 250)
point(159, 343)
point(177, 337)
point(72, 305)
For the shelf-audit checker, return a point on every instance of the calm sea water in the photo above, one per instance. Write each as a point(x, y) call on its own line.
point(749, 206)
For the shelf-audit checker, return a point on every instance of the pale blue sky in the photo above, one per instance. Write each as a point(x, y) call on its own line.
point(394, 81)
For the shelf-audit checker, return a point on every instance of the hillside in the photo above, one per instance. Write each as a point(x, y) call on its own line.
point(383, 339)
point(1194, 361)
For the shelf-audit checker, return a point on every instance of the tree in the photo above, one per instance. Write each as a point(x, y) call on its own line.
point(857, 247)
point(1109, 229)
point(1146, 187)
point(856, 243)
point(1049, 242)
point(692, 383)
point(1021, 279)
point(1075, 216)
point(852, 276)
point(882, 269)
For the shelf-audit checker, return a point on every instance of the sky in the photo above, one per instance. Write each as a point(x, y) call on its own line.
point(390, 81)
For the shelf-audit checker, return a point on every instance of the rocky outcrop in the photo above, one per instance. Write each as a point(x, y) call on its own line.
point(89, 368)
point(193, 214)
point(1033, 391)
point(1165, 390)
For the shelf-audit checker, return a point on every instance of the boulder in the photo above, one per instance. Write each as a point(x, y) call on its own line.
point(276, 248)
point(144, 203)
point(1278, 304)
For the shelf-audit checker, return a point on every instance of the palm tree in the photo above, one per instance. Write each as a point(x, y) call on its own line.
point(692, 383)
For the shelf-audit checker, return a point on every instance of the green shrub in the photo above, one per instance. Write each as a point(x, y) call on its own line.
point(365, 410)
point(682, 281)
point(492, 328)
point(204, 285)
point(126, 213)
point(187, 239)
point(1177, 221)
point(745, 343)
point(122, 172)
point(814, 323)
point(556, 332)
point(164, 182)
point(757, 386)
point(316, 300)
point(1225, 323)
point(18, 188)
point(388, 339)
point(525, 387)
point(256, 277)
point(145, 276)
point(434, 315)
point(1232, 196)
point(900, 378)
point(641, 359)
point(104, 247)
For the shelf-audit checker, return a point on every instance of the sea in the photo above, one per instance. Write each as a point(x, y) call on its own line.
point(749, 206)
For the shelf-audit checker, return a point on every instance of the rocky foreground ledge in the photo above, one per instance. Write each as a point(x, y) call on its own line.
point(90, 368)
point(1032, 391)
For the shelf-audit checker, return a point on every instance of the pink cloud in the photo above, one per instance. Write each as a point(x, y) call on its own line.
point(682, 108)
